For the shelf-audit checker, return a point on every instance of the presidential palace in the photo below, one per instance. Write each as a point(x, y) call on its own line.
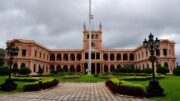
point(34, 55)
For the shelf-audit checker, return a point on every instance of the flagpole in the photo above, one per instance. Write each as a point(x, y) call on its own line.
point(89, 60)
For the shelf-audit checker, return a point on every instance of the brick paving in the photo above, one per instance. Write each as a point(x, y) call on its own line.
point(70, 92)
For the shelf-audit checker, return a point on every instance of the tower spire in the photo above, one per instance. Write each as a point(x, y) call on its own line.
point(100, 26)
point(84, 26)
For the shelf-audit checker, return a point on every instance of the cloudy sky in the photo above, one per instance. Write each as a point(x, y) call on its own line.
point(58, 23)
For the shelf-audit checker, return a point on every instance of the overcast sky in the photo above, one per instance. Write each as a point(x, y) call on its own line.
point(58, 24)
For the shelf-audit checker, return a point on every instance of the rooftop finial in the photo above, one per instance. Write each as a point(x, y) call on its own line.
point(84, 26)
point(100, 26)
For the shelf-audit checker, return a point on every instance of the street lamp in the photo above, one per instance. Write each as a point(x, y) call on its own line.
point(154, 89)
point(11, 51)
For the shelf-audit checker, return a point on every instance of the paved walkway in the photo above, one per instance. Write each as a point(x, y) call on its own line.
point(70, 92)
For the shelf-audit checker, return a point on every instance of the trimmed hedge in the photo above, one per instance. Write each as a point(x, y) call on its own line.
point(125, 88)
point(40, 85)
point(141, 78)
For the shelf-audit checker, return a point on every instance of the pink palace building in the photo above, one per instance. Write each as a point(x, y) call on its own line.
point(34, 55)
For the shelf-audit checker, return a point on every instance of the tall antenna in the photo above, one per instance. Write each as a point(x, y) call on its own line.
point(90, 32)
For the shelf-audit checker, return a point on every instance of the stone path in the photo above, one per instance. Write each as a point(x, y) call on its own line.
point(70, 92)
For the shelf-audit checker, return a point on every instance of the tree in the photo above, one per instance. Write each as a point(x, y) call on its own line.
point(162, 70)
point(4, 71)
point(2, 56)
point(176, 71)
point(24, 71)
point(40, 71)
point(15, 70)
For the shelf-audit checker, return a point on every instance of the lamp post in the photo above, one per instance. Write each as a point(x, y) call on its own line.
point(154, 89)
point(11, 51)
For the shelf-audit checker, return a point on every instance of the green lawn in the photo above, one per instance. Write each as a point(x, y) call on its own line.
point(82, 78)
point(171, 85)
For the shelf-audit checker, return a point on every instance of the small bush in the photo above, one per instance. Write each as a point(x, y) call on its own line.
point(162, 70)
point(147, 70)
point(40, 71)
point(125, 88)
point(32, 87)
point(176, 71)
point(15, 70)
point(137, 70)
point(4, 71)
point(24, 71)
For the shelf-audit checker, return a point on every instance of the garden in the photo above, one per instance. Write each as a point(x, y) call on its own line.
point(124, 81)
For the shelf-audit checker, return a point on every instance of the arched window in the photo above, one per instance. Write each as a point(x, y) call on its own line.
point(52, 68)
point(166, 65)
point(105, 56)
point(23, 65)
point(92, 44)
point(72, 57)
point(96, 36)
point(34, 70)
point(78, 68)
point(131, 57)
point(112, 68)
point(105, 68)
point(59, 68)
point(118, 66)
point(59, 57)
point(65, 68)
point(125, 57)
point(111, 57)
point(65, 57)
point(118, 57)
point(78, 57)
point(52, 57)
point(72, 69)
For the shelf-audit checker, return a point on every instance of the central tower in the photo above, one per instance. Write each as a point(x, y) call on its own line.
point(96, 38)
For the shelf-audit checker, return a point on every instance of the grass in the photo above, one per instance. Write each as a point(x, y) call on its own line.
point(82, 78)
point(171, 88)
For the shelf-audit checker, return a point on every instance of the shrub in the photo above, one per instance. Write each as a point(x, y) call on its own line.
point(147, 70)
point(40, 85)
point(125, 88)
point(162, 70)
point(32, 87)
point(15, 70)
point(24, 71)
point(4, 71)
point(137, 70)
point(176, 71)
point(52, 71)
point(125, 69)
point(40, 71)
point(60, 71)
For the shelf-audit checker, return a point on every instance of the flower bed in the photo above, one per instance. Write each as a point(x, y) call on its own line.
point(125, 88)
point(40, 85)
